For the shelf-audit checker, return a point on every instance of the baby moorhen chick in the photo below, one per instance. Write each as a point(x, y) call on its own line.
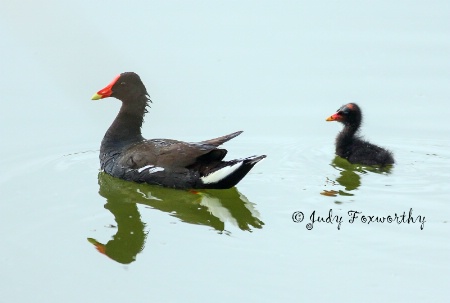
point(351, 146)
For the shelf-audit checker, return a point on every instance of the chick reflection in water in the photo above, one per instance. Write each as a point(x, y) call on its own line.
point(212, 208)
point(350, 176)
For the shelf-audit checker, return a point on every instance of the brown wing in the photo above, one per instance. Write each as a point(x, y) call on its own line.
point(167, 153)
point(181, 154)
point(173, 153)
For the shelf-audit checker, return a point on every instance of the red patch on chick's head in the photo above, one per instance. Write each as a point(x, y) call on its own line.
point(350, 106)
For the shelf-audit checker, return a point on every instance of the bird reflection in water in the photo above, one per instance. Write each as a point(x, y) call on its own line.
point(212, 208)
point(350, 176)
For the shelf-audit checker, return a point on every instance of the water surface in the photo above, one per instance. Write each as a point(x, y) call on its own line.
point(276, 71)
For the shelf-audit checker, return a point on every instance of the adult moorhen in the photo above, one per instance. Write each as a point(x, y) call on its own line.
point(125, 154)
point(351, 146)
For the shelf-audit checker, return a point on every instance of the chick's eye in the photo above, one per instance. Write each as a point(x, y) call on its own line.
point(123, 83)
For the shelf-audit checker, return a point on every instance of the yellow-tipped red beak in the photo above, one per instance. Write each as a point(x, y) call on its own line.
point(107, 91)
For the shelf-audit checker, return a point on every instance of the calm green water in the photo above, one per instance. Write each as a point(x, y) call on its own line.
point(276, 71)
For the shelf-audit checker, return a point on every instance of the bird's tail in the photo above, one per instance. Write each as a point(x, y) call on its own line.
point(229, 173)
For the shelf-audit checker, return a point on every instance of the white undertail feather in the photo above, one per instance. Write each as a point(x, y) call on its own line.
point(220, 174)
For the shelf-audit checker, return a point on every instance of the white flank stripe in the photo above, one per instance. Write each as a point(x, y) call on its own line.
point(220, 174)
point(151, 169)
point(155, 170)
point(144, 168)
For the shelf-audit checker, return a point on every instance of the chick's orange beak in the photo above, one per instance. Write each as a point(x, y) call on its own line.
point(105, 92)
point(334, 117)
